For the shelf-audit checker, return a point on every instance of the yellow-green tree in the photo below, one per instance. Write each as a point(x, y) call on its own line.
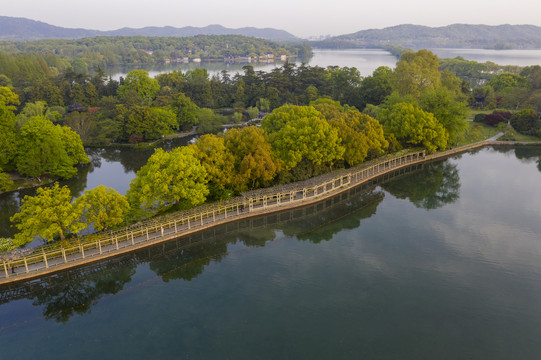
point(361, 135)
point(168, 178)
point(310, 138)
point(138, 88)
point(217, 160)
point(284, 114)
point(9, 98)
point(416, 73)
point(254, 162)
point(5, 181)
point(48, 214)
point(413, 126)
point(102, 207)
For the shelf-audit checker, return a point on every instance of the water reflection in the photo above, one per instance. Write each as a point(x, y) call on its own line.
point(437, 186)
point(464, 276)
point(65, 294)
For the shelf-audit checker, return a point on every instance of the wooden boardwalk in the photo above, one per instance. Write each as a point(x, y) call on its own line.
point(48, 259)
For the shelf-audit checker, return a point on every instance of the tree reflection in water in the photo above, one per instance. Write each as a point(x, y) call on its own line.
point(72, 292)
point(433, 188)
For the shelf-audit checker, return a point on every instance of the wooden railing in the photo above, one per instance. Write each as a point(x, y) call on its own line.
point(47, 259)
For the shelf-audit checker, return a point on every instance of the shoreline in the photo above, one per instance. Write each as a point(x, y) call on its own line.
point(160, 230)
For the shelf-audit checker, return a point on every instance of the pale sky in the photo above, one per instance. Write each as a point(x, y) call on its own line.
point(302, 18)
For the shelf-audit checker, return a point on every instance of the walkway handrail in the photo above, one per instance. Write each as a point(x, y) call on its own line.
point(98, 246)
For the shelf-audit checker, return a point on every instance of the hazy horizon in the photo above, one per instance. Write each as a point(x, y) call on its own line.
point(302, 18)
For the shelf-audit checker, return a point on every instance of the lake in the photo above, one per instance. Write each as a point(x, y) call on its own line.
point(116, 167)
point(444, 263)
point(365, 60)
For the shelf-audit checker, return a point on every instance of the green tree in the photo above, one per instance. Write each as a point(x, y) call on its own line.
point(140, 85)
point(186, 112)
point(102, 207)
point(361, 135)
point(413, 126)
point(168, 178)
point(217, 160)
point(145, 121)
point(38, 109)
point(311, 138)
point(48, 214)
point(450, 112)
point(284, 114)
point(44, 148)
point(374, 89)
point(526, 122)
point(8, 143)
point(416, 73)
point(508, 81)
point(253, 112)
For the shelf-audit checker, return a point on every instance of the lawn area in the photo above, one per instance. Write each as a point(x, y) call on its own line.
point(520, 137)
point(476, 132)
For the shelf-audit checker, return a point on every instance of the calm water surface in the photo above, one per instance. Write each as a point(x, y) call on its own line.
point(365, 60)
point(444, 263)
point(500, 57)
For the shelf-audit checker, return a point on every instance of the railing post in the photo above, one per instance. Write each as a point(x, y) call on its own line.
point(175, 226)
point(201, 219)
point(116, 241)
point(45, 258)
point(99, 245)
point(189, 223)
point(64, 255)
point(213, 216)
point(5, 269)
point(25, 265)
point(225, 212)
point(148, 238)
point(82, 250)
point(161, 228)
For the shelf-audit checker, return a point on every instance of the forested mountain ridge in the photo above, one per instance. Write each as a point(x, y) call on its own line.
point(451, 36)
point(22, 29)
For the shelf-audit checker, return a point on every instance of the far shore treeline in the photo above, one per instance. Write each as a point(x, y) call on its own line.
point(318, 119)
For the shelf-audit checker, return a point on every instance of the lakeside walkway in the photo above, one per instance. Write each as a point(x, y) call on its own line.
point(48, 259)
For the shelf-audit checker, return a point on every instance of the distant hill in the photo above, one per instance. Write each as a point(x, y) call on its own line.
point(452, 36)
point(22, 29)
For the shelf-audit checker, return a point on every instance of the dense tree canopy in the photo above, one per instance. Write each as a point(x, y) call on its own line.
point(255, 164)
point(44, 148)
point(310, 138)
point(167, 179)
point(416, 73)
point(48, 214)
point(526, 122)
point(413, 126)
point(217, 160)
point(102, 208)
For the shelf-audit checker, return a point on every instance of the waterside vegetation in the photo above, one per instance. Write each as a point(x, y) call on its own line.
point(314, 125)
